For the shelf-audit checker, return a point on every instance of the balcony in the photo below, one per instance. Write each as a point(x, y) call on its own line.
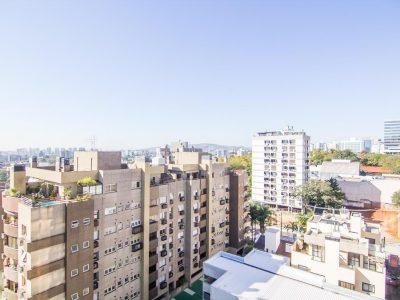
point(11, 252)
point(153, 243)
point(163, 285)
point(182, 212)
point(164, 205)
point(153, 259)
point(96, 244)
point(171, 216)
point(181, 268)
point(203, 249)
point(164, 221)
point(196, 224)
point(196, 265)
point(171, 201)
point(153, 292)
point(171, 231)
point(226, 233)
point(354, 246)
point(181, 254)
point(196, 197)
point(170, 274)
point(171, 245)
point(95, 285)
point(203, 236)
point(195, 250)
point(136, 247)
point(163, 237)
point(137, 229)
point(153, 226)
point(181, 226)
point(222, 224)
point(203, 210)
point(163, 253)
point(10, 203)
point(95, 265)
point(10, 295)
point(11, 230)
point(11, 273)
point(153, 276)
point(182, 198)
point(222, 202)
point(96, 222)
point(196, 210)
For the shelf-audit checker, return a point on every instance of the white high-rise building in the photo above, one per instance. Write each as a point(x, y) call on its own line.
point(280, 164)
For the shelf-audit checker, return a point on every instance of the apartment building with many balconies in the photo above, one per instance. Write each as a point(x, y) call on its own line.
point(78, 231)
point(345, 250)
point(187, 203)
point(280, 164)
point(67, 238)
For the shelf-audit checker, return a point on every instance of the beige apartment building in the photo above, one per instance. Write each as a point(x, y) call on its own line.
point(99, 229)
point(344, 249)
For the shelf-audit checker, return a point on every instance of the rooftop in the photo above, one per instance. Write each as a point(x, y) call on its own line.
point(268, 277)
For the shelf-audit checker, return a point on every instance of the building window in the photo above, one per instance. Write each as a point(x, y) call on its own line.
point(369, 288)
point(346, 285)
point(86, 244)
point(354, 260)
point(85, 291)
point(86, 221)
point(317, 252)
point(110, 210)
point(23, 230)
point(74, 224)
point(110, 188)
point(85, 268)
point(74, 272)
point(75, 296)
point(74, 248)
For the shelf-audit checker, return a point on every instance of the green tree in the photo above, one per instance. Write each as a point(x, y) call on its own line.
point(345, 154)
point(3, 175)
point(317, 157)
point(320, 193)
point(243, 162)
point(264, 216)
point(396, 199)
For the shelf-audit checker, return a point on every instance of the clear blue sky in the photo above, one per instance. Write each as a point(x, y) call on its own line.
point(139, 74)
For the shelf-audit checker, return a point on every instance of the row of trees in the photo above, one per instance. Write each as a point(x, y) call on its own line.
point(318, 156)
point(388, 161)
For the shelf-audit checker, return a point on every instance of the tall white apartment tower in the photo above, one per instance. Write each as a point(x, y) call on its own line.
point(280, 164)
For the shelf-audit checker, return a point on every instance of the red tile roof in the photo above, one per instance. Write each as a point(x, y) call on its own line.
point(372, 169)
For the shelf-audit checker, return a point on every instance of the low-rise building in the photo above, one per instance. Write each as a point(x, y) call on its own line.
point(262, 275)
point(345, 250)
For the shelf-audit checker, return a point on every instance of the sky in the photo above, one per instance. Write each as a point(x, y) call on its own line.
point(144, 73)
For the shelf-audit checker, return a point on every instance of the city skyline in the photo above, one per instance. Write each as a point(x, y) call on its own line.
point(135, 74)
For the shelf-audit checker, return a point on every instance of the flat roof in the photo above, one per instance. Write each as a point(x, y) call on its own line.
point(261, 275)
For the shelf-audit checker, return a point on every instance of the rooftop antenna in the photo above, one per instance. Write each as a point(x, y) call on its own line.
point(92, 142)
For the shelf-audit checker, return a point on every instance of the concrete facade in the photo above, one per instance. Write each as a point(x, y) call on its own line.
point(280, 164)
point(345, 250)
